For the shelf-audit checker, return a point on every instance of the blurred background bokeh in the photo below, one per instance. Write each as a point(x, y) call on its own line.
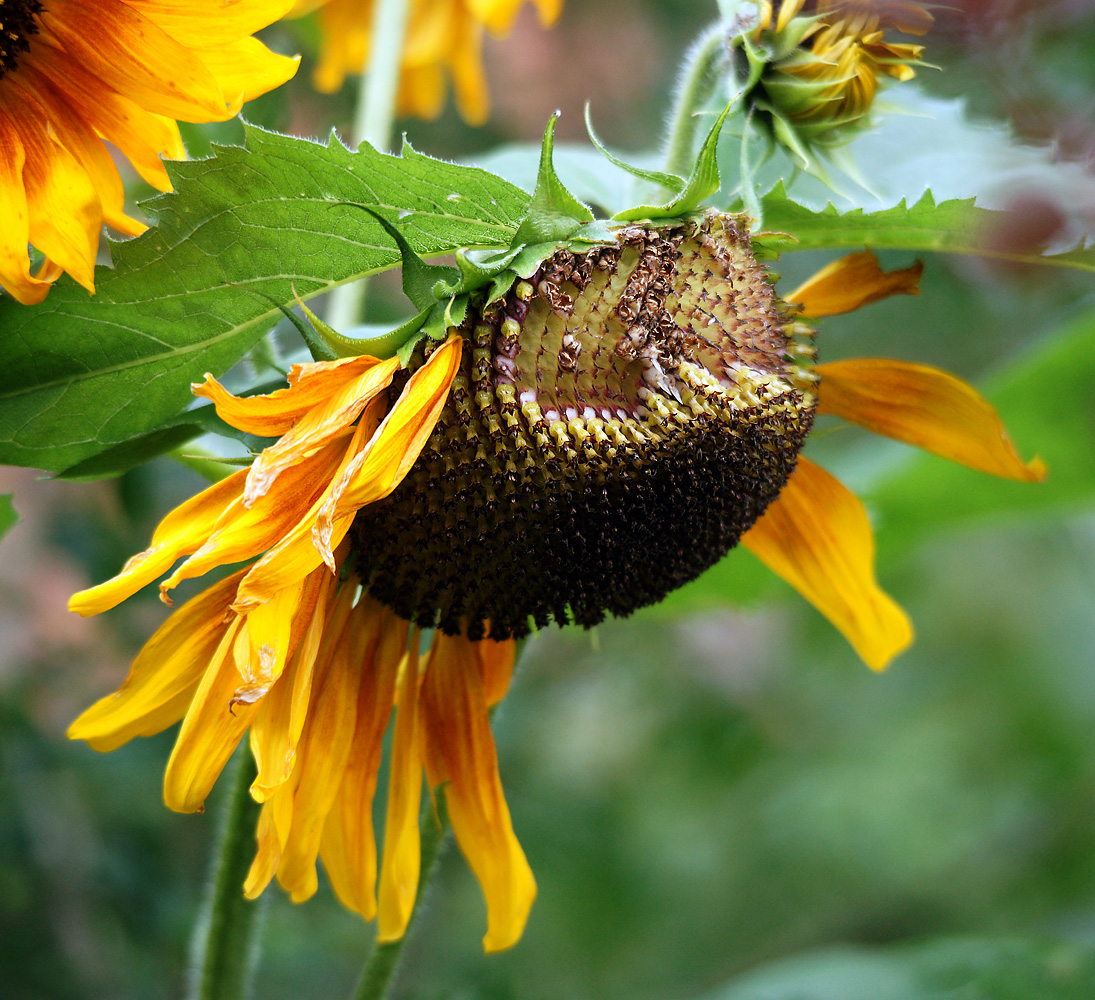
point(705, 789)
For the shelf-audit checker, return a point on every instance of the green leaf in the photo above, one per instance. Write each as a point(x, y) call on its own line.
point(419, 278)
point(956, 226)
point(962, 969)
point(702, 183)
point(82, 374)
point(8, 514)
point(554, 213)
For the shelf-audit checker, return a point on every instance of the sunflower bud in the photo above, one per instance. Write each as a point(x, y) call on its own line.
point(618, 421)
point(817, 72)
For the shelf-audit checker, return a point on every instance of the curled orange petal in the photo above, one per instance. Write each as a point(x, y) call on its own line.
point(852, 282)
point(925, 407)
point(816, 536)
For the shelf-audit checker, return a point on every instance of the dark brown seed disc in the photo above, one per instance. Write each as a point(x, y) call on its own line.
point(18, 21)
point(617, 423)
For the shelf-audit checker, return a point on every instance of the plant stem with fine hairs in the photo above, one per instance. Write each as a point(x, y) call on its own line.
point(224, 949)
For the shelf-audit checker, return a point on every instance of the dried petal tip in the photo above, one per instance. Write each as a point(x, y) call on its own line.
point(605, 441)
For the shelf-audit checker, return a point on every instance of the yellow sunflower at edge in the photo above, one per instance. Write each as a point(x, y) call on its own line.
point(302, 650)
point(76, 72)
point(444, 39)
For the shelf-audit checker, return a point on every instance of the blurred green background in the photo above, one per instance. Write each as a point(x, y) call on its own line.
point(719, 801)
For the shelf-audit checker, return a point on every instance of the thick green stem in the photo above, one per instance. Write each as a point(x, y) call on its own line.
point(699, 78)
point(224, 947)
point(373, 118)
point(384, 959)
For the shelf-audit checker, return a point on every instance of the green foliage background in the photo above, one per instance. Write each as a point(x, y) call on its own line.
point(719, 804)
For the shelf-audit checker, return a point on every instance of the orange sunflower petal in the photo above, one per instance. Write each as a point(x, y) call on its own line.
point(925, 407)
point(273, 414)
point(318, 427)
point(348, 848)
point(164, 676)
point(212, 22)
point(816, 536)
point(132, 55)
point(496, 661)
point(400, 862)
point(183, 531)
point(460, 756)
point(324, 747)
point(15, 276)
point(852, 282)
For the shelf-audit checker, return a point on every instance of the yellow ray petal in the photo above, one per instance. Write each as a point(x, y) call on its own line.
point(399, 865)
point(324, 747)
point(549, 10)
point(275, 413)
point(246, 69)
point(210, 731)
point(271, 834)
point(242, 532)
point(817, 537)
point(851, 282)
point(15, 276)
point(496, 660)
point(63, 206)
point(165, 674)
point(394, 448)
point(348, 848)
point(925, 407)
point(460, 756)
point(276, 730)
point(320, 425)
point(262, 661)
point(131, 55)
point(469, 81)
point(140, 135)
point(183, 531)
point(212, 22)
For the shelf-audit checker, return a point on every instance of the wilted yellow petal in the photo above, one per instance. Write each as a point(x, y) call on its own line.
point(318, 427)
point(460, 756)
point(852, 282)
point(399, 866)
point(183, 531)
point(925, 407)
point(817, 537)
point(165, 674)
point(210, 731)
point(324, 747)
point(348, 848)
point(310, 385)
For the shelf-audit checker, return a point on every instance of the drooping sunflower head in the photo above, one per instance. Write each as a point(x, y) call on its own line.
point(816, 67)
point(619, 420)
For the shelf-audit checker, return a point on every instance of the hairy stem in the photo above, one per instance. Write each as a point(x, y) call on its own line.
point(224, 949)
point(384, 959)
point(699, 79)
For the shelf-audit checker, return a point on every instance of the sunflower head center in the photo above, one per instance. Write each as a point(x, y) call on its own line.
point(18, 21)
point(619, 420)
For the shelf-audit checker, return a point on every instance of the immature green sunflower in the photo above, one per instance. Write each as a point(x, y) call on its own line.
point(76, 72)
point(598, 436)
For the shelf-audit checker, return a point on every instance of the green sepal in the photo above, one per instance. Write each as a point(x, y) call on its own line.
point(553, 213)
point(409, 334)
point(702, 183)
point(419, 278)
point(671, 182)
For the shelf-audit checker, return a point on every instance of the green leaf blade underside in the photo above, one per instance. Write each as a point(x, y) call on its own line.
point(955, 226)
point(82, 374)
